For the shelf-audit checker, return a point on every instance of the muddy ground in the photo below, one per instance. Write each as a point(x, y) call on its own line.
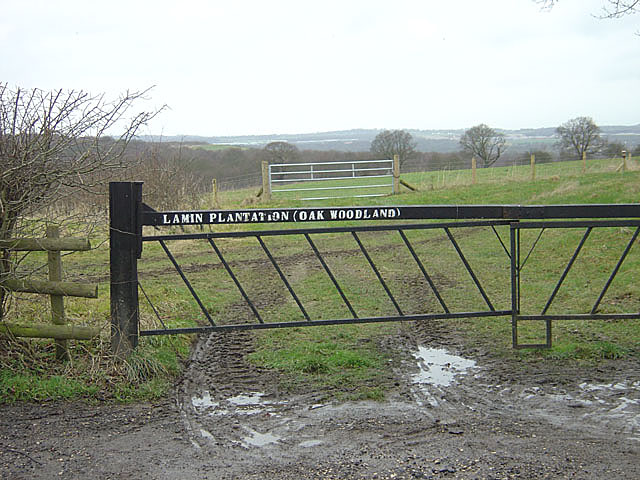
point(495, 419)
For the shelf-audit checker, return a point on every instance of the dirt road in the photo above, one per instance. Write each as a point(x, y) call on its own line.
point(466, 416)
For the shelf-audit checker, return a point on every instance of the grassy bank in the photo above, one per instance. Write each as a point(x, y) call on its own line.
point(349, 361)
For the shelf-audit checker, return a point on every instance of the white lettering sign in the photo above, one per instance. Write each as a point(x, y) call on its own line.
point(268, 216)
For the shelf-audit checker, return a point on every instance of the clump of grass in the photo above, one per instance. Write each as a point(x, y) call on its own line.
point(29, 370)
point(336, 359)
point(315, 358)
point(30, 386)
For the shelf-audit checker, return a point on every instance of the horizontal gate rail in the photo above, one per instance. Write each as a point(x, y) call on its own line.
point(316, 230)
point(384, 213)
point(344, 321)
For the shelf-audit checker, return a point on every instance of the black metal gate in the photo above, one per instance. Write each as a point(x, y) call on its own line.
point(129, 215)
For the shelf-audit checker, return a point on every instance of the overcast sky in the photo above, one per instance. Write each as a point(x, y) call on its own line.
point(237, 67)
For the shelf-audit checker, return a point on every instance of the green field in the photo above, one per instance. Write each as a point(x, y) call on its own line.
point(348, 355)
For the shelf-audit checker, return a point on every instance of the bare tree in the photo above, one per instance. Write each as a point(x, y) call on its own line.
point(580, 134)
point(51, 143)
point(281, 152)
point(485, 143)
point(170, 176)
point(612, 8)
point(394, 142)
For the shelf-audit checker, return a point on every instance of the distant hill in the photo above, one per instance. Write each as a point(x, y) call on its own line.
point(359, 140)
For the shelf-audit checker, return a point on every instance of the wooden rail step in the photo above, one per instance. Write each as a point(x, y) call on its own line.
point(66, 289)
point(45, 330)
point(45, 244)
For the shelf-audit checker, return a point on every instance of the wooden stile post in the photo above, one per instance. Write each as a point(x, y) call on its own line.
point(125, 246)
point(57, 301)
point(266, 184)
point(533, 166)
point(396, 174)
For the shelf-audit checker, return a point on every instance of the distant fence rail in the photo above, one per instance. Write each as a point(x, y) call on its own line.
point(342, 179)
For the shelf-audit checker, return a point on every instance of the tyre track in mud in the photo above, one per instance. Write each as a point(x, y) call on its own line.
point(499, 420)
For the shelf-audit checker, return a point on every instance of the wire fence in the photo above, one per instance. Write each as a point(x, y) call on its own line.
point(248, 180)
point(453, 162)
point(439, 171)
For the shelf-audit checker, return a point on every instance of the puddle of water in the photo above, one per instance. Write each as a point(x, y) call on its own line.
point(438, 367)
point(589, 387)
point(205, 401)
point(624, 404)
point(257, 439)
point(310, 443)
point(249, 399)
point(243, 404)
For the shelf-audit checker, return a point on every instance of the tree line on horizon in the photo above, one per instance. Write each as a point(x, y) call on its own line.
point(238, 167)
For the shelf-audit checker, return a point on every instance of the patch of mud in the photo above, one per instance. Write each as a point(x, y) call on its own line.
point(452, 413)
point(494, 418)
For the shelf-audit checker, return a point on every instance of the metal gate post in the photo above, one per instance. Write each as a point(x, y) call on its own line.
point(515, 282)
point(125, 247)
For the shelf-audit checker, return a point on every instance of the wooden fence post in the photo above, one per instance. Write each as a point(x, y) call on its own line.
point(125, 231)
point(533, 166)
point(214, 190)
point(624, 161)
point(473, 169)
point(584, 162)
point(266, 184)
point(57, 301)
point(396, 175)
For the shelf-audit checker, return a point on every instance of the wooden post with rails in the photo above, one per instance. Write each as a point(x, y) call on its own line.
point(57, 301)
point(396, 175)
point(54, 287)
point(266, 183)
